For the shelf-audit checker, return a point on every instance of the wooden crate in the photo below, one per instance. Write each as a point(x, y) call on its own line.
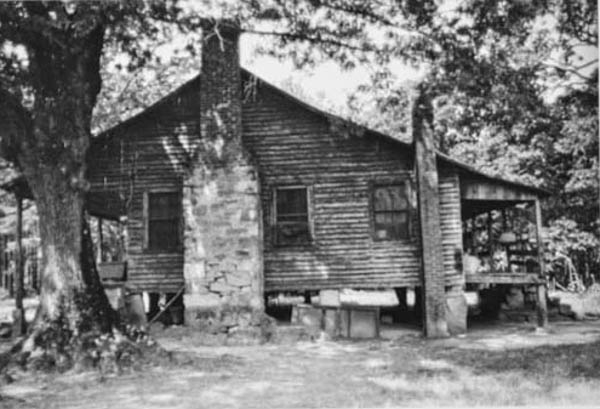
point(112, 271)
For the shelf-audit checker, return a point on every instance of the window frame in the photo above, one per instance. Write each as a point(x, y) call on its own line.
point(309, 216)
point(408, 189)
point(146, 220)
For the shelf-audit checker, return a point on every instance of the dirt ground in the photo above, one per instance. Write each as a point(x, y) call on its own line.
point(500, 364)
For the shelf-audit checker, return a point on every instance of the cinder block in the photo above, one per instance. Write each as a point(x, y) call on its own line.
point(456, 313)
point(307, 315)
point(343, 323)
point(364, 323)
point(331, 322)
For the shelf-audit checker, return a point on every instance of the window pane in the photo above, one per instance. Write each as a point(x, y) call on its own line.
point(164, 205)
point(292, 225)
point(291, 201)
point(391, 225)
point(383, 222)
point(163, 234)
point(390, 211)
point(382, 199)
point(399, 199)
point(384, 219)
point(399, 228)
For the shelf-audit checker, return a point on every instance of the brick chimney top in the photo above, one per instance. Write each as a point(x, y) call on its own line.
point(227, 28)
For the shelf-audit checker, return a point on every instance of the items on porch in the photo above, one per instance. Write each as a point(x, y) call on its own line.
point(501, 238)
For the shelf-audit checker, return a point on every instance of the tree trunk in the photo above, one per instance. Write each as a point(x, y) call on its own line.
point(71, 292)
point(66, 81)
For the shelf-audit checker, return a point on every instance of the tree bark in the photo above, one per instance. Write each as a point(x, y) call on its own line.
point(71, 291)
point(66, 80)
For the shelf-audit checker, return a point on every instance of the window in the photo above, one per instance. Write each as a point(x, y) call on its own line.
point(163, 221)
point(391, 211)
point(291, 216)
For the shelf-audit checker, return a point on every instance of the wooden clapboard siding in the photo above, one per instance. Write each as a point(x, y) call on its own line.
point(450, 223)
point(147, 154)
point(294, 146)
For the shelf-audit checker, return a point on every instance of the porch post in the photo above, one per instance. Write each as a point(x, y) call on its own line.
point(19, 314)
point(542, 309)
point(100, 239)
point(432, 278)
point(490, 244)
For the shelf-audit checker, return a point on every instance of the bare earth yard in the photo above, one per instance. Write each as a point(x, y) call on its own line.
point(501, 364)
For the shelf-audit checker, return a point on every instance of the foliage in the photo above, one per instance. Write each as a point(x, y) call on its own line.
point(487, 61)
point(513, 98)
point(565, 238)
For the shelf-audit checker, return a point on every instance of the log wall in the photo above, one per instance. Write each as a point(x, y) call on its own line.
point(147, 154)
point(294, 146)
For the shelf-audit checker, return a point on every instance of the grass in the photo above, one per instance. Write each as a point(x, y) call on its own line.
point(405, 372)
point(544, 375)
point(570, 361)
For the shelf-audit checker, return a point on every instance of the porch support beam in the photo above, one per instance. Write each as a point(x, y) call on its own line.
point(542, 309)
point(19, 312)
point(99, 254)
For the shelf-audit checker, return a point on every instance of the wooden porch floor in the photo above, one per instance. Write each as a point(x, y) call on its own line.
point(503, 278)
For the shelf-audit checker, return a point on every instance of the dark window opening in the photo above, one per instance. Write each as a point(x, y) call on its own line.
point(291, 216)
point(164, 220)
point(391, 212)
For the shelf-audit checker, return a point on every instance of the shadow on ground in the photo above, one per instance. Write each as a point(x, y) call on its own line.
point(493, 365)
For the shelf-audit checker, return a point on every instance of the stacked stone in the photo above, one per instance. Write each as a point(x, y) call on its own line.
point(222, 236)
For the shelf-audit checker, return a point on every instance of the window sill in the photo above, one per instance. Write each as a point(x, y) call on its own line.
point(159, 251)
point(400, 240)
point(296, 246)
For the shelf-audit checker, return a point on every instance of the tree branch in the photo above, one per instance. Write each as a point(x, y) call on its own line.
point(572, 70)
point(313, 40)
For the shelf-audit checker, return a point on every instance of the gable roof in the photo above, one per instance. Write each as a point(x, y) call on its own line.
point(466, 168)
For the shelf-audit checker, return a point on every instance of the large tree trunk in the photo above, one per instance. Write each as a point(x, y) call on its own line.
point(71, 292)
point(66, 81)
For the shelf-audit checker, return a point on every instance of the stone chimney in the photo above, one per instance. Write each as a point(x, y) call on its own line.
point(223, 265)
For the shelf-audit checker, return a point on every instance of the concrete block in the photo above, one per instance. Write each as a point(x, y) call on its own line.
point(331, 322)
point(456, 313)
point(307, 315)
point(364, 323)
point(343, 323)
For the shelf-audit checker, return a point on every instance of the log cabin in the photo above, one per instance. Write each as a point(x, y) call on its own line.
point(231, 189)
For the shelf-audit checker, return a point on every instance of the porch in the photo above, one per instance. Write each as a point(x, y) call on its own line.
point(502, 241)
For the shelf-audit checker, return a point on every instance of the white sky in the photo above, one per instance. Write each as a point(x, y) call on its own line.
point(326, 81)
